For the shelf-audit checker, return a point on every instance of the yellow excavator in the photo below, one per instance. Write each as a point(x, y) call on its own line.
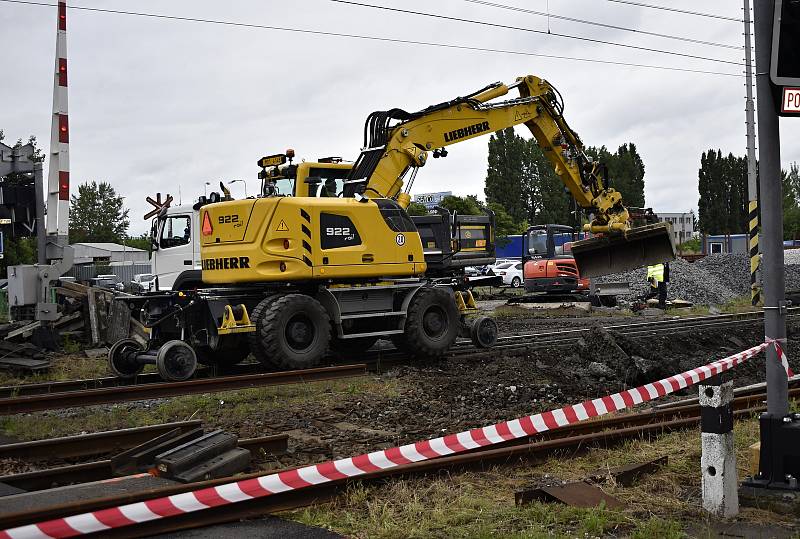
point(328, 258)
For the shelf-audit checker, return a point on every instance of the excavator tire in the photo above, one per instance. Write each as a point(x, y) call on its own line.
point(293, 331)
point(432, 324)
point(350, 348)
point(253, 339)
point(233, 351)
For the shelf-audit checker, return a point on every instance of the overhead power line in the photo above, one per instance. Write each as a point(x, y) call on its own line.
point(602, 25)
point(676, 10)
point(544, 32)
point(374, 38)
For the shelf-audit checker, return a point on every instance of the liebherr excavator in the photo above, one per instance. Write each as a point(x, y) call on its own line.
point(327, 257)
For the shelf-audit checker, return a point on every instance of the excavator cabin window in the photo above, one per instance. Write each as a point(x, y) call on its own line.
point(326, 182)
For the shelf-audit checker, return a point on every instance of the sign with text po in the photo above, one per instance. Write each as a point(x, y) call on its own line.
point(790, 103)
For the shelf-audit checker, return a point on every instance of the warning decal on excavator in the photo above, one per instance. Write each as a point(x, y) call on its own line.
point(282, 227)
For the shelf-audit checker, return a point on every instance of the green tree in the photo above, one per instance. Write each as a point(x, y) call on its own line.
point(722, 185)
point(415, 208)
point(17, 251)
point(791, 202)
point(97, 214)
point(504, 224)
point(468, 205)
point(505, 183)
point(548, 199)
point(625, 171)
point(139, 242)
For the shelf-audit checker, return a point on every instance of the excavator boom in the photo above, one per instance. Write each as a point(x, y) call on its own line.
point(396, 142)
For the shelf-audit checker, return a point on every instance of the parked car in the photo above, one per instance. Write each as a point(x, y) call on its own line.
point(110, 282)
point(511, 272)
point(143, 282)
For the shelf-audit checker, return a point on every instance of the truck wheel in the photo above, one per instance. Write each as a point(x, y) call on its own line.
point(121, 358)
point(176, 361)
point(294, 331)
point(432, 324)
point(347, 348)
point(483, 332)
point(254, 338)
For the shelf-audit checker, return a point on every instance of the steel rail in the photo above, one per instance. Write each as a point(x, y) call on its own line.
point(96, 443)
point(89, 397)
point(99, 470)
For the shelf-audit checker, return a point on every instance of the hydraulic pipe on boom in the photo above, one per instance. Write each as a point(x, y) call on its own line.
point(391, 150)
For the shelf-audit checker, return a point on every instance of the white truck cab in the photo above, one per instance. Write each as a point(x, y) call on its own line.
point(175, 235)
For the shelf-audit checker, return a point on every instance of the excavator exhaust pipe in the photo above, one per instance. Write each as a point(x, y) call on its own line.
point(638, 247)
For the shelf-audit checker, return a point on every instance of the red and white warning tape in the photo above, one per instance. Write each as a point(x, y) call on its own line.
point(783, 359)
point(267, 485)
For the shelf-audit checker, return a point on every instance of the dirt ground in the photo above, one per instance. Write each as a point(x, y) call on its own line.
point(348, 417)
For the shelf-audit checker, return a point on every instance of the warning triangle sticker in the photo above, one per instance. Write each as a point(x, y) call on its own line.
point(282, 227)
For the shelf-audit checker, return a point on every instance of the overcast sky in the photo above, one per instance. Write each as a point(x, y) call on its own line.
point(158, 105)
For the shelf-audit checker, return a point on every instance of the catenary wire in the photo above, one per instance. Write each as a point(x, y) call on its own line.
point(676, 10)
point(601, 24)
point(453, 46)
point(543, 32)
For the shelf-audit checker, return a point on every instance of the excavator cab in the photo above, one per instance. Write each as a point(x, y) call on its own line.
point(616, 253)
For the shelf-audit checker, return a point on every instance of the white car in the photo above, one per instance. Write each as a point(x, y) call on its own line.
point(511, 272)
point(144, 282)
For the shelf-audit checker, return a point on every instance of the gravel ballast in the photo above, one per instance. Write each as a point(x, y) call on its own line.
point(714, 279)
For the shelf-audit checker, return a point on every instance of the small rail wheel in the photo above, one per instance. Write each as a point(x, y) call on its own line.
point(294, 332)
point(432, 324)
point(122, 358)
point(483, 332)
point(176, 361)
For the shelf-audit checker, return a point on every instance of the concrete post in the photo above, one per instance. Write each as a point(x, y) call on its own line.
point(41, 232)
point(752, 176)
point(718, 459)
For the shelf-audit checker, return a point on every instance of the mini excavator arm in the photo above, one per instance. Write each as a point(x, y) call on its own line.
point(396, 142)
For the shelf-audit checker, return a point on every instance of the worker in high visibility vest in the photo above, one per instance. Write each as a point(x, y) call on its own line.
point(657, 276)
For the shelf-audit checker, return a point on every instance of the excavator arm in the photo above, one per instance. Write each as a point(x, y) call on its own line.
point(397, 142)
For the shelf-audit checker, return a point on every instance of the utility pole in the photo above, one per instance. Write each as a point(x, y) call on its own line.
point(769, 154)
point(752, 188)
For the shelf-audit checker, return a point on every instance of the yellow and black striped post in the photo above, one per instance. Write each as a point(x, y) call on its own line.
point(755, 260)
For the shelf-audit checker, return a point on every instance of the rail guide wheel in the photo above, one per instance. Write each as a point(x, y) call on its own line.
point(176, 361)
point(483, 332)
point(122, 358)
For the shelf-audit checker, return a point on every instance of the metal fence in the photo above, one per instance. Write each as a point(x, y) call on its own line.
point(85, 272)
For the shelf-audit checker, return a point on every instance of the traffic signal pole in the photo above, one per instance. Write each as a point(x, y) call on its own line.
point(769, 168)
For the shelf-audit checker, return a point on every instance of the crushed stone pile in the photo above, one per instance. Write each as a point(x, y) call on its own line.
point(714, 279)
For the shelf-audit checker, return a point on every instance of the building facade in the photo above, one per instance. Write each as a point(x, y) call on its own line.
point(682, 225)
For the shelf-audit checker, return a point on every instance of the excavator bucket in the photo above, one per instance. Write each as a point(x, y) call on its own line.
point(638, 247)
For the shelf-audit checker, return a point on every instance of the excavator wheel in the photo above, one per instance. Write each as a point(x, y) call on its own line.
point(350, 348)
point(232, 351)
point(254, 339)
point(432, 324)
point(293, 331)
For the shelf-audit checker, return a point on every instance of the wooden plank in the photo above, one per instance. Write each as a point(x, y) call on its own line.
point(61, 291)
point(94, 324)
point(119, 321)
point(75, 287)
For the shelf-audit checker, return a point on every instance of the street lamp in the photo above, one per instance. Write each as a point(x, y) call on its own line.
point(245, 185)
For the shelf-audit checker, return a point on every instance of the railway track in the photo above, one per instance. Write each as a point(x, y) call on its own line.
point(53, 395)
point(600, 432)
